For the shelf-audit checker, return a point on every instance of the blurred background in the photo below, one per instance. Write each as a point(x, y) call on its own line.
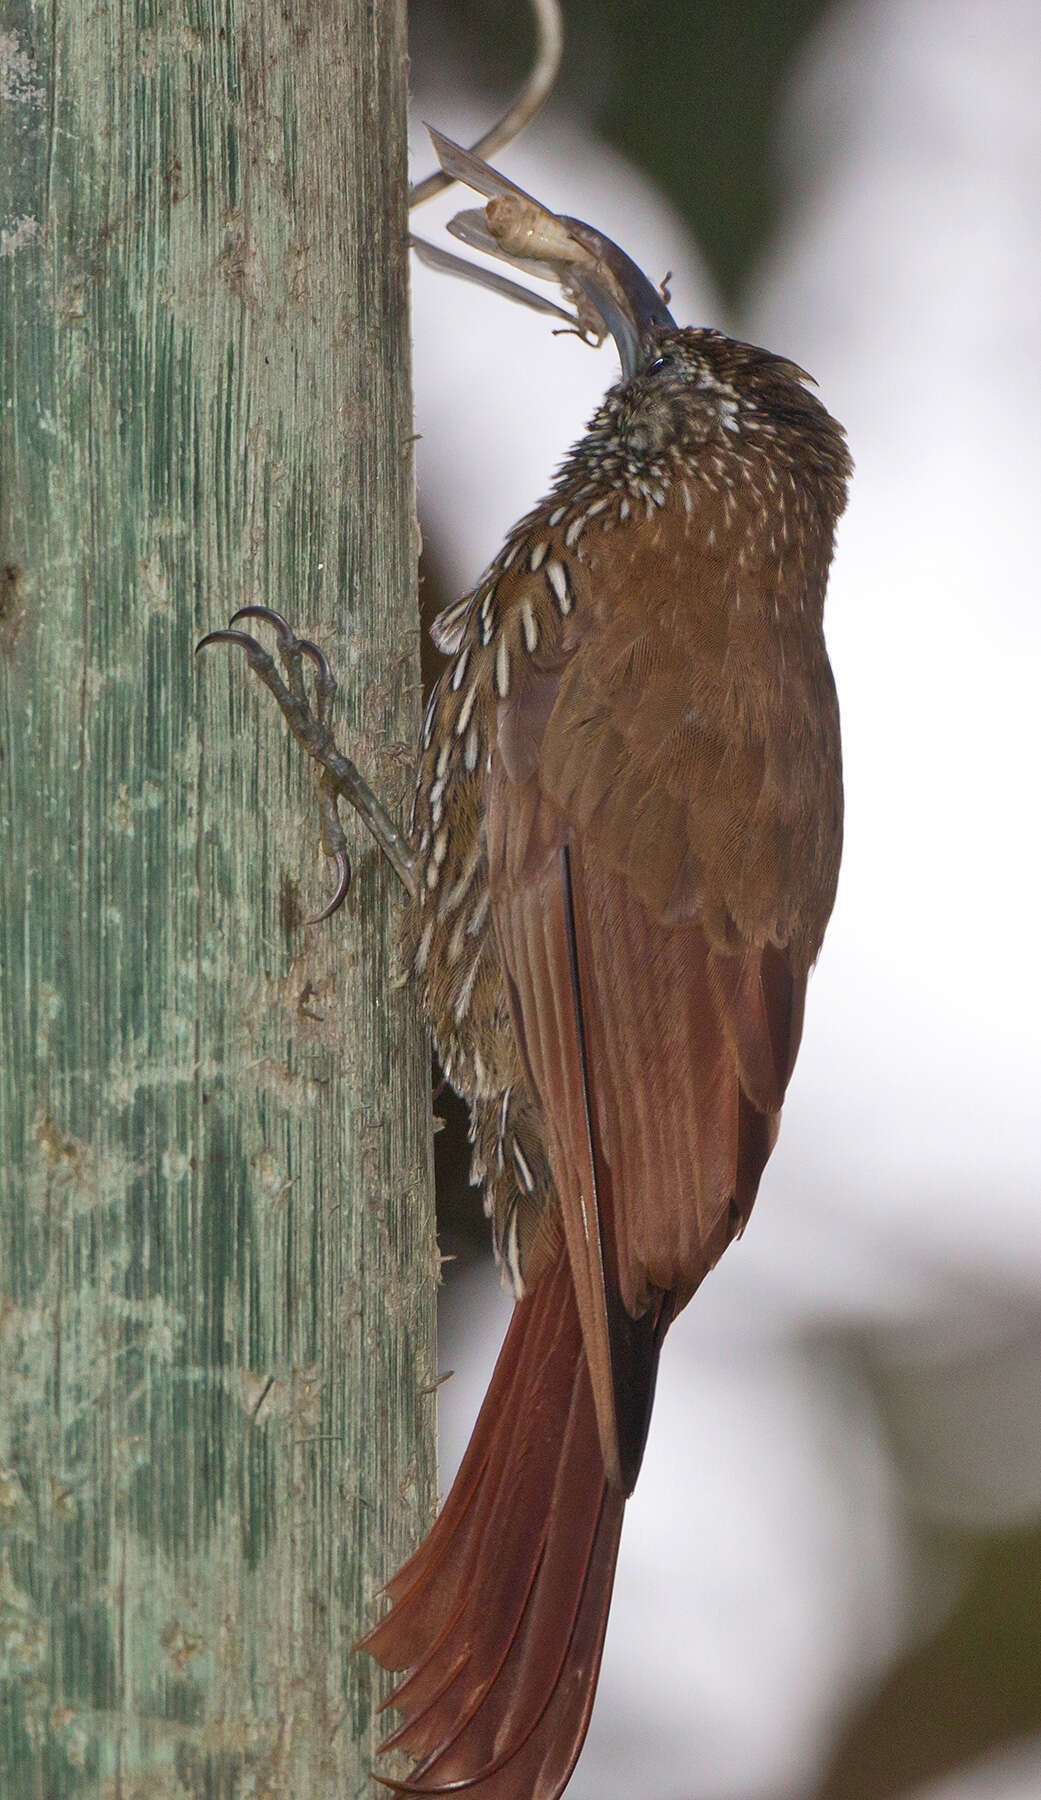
point(830, 1578)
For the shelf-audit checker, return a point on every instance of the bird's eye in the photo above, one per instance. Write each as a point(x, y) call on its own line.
point(660, 362)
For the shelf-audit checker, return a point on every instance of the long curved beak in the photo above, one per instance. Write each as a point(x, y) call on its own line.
point(607, 290)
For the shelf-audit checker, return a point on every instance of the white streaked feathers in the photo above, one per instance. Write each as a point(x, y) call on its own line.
point(560, 586)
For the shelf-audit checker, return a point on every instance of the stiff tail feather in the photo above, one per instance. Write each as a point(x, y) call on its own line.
point(498, 1620)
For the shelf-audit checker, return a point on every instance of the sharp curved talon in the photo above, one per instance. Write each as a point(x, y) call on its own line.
point(288, 640)
point(343, 884)
point(230, 637)
point(409, 1787)
point(308, 722)
point(321, 663)
point(285, 631)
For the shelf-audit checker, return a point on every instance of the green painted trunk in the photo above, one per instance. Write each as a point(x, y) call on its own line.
point(217, 1262)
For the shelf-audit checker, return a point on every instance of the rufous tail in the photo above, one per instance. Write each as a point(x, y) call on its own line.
point(498, 1620)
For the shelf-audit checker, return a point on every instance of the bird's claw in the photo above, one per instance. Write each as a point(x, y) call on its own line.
point(308, 725)
point(338, 777)
point(334, 843)
point(249, 644)
point(291, 649)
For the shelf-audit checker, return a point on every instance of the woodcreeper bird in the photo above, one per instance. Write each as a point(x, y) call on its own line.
point(622, 856)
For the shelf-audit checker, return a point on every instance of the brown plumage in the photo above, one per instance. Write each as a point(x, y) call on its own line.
point(627, 827)
point(623, 854)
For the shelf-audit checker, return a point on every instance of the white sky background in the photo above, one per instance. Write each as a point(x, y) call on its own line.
point(767, 1571)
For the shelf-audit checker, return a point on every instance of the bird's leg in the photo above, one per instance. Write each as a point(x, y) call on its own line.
point(338, 779)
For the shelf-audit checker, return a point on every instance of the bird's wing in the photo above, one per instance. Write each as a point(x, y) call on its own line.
point(629, 822)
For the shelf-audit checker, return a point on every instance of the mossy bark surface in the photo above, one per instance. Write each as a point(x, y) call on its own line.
point(217, 1261)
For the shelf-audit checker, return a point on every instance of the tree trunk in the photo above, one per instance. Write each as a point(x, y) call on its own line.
point(217, 1265)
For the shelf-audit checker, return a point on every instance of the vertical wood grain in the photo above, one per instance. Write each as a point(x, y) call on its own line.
point(217, 1261)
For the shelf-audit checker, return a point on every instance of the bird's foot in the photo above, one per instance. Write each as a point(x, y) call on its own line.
point(338, 778)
